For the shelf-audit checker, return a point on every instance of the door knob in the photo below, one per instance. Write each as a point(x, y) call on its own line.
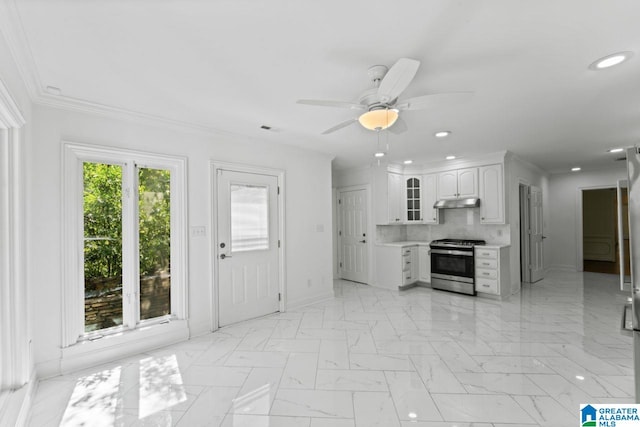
point(223, 256)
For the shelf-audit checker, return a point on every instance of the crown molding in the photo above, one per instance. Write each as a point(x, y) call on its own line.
point(15, 36)
point(512, 156)
point(10, 114)
point(13, 32)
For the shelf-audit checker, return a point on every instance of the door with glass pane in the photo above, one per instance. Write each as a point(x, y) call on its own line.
point(247, 246)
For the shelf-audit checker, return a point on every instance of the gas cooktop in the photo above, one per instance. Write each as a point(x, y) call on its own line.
point(458, 242)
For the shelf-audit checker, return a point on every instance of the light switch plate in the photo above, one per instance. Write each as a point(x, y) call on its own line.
point(198, 231)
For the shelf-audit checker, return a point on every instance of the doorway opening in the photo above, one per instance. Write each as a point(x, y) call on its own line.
point(605, 231)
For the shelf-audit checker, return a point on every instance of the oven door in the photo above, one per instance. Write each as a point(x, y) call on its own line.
point(453, 263)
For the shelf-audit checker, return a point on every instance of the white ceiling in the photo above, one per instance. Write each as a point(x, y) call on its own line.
point(234, 65)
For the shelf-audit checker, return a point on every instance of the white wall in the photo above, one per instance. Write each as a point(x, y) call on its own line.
point(308, 210)
point(16, 331)
point(562, 242)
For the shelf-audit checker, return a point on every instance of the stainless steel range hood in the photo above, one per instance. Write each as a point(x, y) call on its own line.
point(472, 202)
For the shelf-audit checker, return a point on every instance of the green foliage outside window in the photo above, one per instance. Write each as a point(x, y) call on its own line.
point(103, 221)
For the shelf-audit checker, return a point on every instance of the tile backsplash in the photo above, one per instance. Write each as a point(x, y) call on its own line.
point(457, 224)
point(391, 233)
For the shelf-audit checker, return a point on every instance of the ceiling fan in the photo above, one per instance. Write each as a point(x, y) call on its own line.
point(381, 105)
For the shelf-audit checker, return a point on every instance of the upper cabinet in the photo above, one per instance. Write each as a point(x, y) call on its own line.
point(458, 184)
point(414, 204)
point(395, 186)
point(430, 215)
point(491, 195)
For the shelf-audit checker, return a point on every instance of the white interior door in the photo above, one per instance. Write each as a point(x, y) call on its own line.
point(247, 246)
point(352, 235)
point(536, 224)
point(623, 235)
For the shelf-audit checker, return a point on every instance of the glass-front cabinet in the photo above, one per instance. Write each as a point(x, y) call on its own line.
point(414, 199)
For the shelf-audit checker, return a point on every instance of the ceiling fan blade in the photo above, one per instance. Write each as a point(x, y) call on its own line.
point(397, 79)
point(434, 100)
point(339, 104)
point(400, 126)
point(340, 126)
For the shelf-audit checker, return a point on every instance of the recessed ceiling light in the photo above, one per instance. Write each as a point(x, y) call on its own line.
point(379, 154)
point(576, 169)
point(442, 134)
point(580, 377)
point(450, 157)
point(408, 162)
point(615, 150)
point(610, 60)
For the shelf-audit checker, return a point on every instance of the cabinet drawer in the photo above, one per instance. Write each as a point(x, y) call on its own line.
point(488, 286)
point(487, 263)
point(486, 273)
point(486, 253)
point(406, 277)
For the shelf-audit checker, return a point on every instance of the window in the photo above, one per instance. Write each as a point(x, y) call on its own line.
point(249, 217)
point(125, 245)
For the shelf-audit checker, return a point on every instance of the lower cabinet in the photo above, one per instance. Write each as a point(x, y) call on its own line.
point(492, 270)
point(396, 266)
point(424, 264)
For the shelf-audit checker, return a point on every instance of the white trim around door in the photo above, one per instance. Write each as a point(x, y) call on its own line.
point(215, 251)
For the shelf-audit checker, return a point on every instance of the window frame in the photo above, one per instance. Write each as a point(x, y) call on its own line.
point(74, 155)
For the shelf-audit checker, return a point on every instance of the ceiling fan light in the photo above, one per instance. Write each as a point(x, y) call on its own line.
point(378, 119)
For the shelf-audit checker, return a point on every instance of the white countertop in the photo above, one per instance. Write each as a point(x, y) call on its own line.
point(405, 243)
point(426, 243)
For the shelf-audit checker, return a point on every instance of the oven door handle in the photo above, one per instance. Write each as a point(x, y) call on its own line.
point(450, 252)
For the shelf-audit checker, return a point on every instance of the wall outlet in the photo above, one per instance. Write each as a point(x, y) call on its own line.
point(198, 231)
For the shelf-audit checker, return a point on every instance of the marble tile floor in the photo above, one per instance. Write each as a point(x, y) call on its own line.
point(372, 357)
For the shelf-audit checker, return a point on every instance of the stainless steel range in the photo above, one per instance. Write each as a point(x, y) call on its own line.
point(452, 265)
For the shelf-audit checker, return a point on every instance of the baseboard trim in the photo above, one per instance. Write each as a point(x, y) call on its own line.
point(17, 404)
point(292, 304)
point(564, 267)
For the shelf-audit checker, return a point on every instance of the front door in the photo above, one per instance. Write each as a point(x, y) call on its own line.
point(247, 246)
point(352, 235)
point(536, 252)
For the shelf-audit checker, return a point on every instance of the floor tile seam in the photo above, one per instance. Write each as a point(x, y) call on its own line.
point(415, 369)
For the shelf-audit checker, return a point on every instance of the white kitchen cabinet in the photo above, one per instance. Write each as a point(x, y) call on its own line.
point(395, 182)
point(492, 270)
point(388, 198)
point(430, 215)
point(424, 264)
point(396, 266)
point(413, 199)
point(458, 184)
point(491, 193)
point(410, 265)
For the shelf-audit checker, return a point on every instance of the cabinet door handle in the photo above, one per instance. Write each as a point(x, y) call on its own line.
point(363, 241)
point(485, 274)
point(485, 286)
